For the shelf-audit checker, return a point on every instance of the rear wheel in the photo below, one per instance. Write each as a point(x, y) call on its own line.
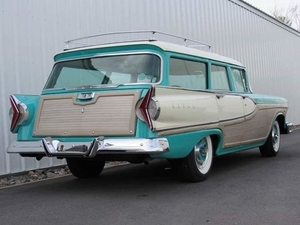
point(272, 145)
point(197, 165)
point(82, 168)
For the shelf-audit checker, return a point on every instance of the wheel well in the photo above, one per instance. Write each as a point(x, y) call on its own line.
point(281, 120)
point(215, 142)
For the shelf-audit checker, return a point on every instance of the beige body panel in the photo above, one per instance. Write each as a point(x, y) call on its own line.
point(230, 107)
point(182, 108)
point(252, 128)
point(249, 106)
point(114, 113)
point(239, 118)
point(106, 114)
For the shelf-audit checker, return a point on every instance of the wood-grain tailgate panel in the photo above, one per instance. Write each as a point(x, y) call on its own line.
point(106, 114)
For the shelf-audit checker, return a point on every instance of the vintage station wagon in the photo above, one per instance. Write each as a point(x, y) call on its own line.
point(142, 100)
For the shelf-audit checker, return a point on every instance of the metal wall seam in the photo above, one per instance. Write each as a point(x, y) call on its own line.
point(3, 101)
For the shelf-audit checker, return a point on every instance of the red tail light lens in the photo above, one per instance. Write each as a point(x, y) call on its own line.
point(18, 112)
point(14, 112)
point(144, 108)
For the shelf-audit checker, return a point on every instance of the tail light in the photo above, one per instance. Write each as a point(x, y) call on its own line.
point(148, 108)
point(18, 112)
point(153, 108)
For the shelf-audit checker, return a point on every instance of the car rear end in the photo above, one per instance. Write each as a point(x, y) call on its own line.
point(95, 102)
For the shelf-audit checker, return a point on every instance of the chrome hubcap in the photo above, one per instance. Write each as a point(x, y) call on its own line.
point(202, 155)
point(275, 137)
point(202, 151)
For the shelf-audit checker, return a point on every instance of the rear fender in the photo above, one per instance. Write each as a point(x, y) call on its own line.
point(31, 103)
point(182, 144)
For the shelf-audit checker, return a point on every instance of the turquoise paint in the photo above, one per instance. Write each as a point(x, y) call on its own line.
point(86, 53)
point(31, 101)
point(182, 144)
point(208, 62)
point(186, 57)
point(245, 78)
point(199, 58)
point(98, 51)
point(238, 148)
point(25, 130)
point(165, 77)
point(266, 99)
point(209, 86)
point(142, 129)
point(102, 89)
point(230, 78)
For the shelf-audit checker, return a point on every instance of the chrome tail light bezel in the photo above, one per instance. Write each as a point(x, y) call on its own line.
point(154, 108)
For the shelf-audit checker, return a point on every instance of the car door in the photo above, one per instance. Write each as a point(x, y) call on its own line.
point(230, 107)
point(231, 118)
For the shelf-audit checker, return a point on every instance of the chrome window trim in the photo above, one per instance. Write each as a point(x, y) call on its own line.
point(112, 54)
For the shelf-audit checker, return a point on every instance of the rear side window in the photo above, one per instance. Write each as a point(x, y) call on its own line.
point(239, 80)
point(187, 74)
point(219, 78)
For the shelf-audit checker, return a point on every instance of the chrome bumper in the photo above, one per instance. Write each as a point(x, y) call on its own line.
point(289, 127)
point(99, 145)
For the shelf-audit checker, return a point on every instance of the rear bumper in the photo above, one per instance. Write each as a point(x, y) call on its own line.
point(289, 127)
point(99, 145)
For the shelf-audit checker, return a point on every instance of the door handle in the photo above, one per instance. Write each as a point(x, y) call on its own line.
point(219, 96)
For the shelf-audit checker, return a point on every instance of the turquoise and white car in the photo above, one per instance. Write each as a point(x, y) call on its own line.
point(138, 101)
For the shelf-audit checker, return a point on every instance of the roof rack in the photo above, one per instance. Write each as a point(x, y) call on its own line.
point(152, 38)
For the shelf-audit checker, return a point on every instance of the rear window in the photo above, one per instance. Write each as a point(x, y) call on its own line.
point(120, 69)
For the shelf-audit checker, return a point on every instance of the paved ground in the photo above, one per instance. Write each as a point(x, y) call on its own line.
point(243, 188)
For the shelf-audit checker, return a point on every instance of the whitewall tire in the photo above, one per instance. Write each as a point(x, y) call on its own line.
point(272, 144)
point(197, 165)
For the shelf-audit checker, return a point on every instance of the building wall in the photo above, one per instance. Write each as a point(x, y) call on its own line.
point(33, 31)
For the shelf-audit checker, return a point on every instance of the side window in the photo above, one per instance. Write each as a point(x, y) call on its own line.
point(219, 79)
point(239, 80)
point(187, 74)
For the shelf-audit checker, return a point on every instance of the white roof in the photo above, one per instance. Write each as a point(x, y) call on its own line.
point(171, 48)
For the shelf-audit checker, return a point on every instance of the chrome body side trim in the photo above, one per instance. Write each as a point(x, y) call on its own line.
point(90, 149)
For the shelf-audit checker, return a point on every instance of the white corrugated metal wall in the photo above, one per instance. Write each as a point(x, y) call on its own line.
point(33, 31)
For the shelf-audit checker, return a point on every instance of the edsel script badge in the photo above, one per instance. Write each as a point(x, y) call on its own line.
point(85, 96)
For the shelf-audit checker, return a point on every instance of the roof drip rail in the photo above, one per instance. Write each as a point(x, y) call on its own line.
point(152, 38)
